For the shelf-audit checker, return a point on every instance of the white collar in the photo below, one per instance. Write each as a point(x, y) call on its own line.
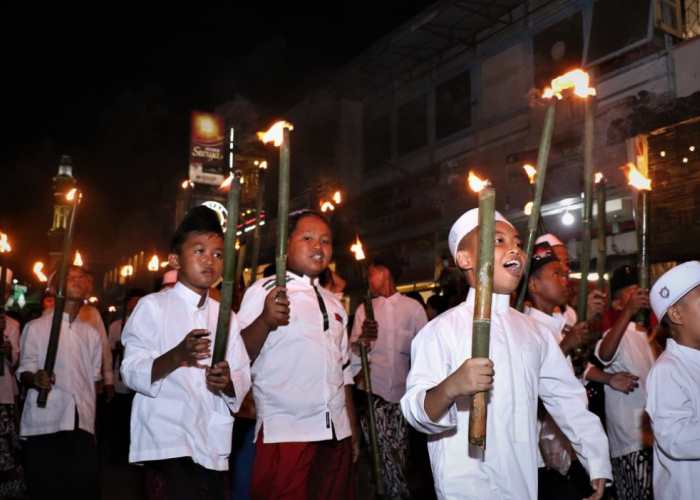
point(692, 355)
point(499, 302)
point(192, 298)
point(556, 321)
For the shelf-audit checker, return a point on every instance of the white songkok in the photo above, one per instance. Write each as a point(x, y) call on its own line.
point(549, 238)
point(673, 285)
point(465, 224)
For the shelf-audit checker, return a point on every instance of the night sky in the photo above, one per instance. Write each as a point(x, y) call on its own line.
point(113, 87)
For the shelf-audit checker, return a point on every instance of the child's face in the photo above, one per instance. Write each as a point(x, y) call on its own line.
point(77, 284)
point(563, 255)
point(507, 262)
point(310, 246)
point(550, 285)
point(376, 277)
point(200, 262)
point(687, 312)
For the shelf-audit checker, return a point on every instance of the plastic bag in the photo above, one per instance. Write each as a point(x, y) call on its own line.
point(555, 447)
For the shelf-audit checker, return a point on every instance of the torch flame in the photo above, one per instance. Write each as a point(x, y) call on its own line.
point(577, 80)
point(598, 177)
point(530, 171)
point(164, 263)
point(357, 249)
point(528, 208)
point(326, 206)
point(4, 245)
point(477, 184)
point(71, 194)
point(154, 263)
point(227, 181)
point(636, 179)
point(37, 270)
point(275, 133)
point(336, 197)
point(127, 271)
point(112, 309)
point(263, 165)
point(185, 184)
point(92, 300)
point(237, 246)
point(78, 261)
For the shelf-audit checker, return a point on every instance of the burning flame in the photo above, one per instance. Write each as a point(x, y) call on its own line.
point(263, 165)
point(71, 194)
point(636, 179)
point(275, 133)
point(577, 80)
point(186, 184)
point(528, 208)
point(598, 177)
point(326, 206)
point(336, 197)
point(92, 300)
point(127, 271)
point(112, 309)
point(4, 245)
point(227, 182)
point(357, 249)
point(154, 263)
point(164, 263)
point(476, 184)
point(78, 261)
point(37, 270)
point(531, 172)
point(237, 246)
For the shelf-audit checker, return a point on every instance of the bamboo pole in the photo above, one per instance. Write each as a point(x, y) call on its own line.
point(60, 304)
point(482, 308)
point(229, 274)
point(531, 235)
point(283, 212)
point(642, 317)
point(601, 197)
point(585, 260)
point(255, 258)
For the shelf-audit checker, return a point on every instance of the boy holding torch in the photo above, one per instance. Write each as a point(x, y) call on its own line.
point(181, 423)
point(528, 364)
point(306, 438)
point(61, 454)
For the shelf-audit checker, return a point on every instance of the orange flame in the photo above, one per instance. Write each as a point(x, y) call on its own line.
point(528, 208)
point(275, 133)
point(154, 263)
point(326, 206)
point(636, 179)
point(71, 194)
point(186, 184)
point(531, 172)
point(112, 309)
point(92, 300)
point(263, 165)
point(357, 249)
point(37, 270)
point(127, 271)
point(336, 197)
point(577, 80)
point(165, 263)
point(227, 181)
point(477, 184)
point(78, 261)
point(4, 245)
point(598, 177)
point(237, 246)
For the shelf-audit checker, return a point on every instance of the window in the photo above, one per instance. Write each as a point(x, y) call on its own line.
point(413, 125)
point(377, 142)
point(453, 105)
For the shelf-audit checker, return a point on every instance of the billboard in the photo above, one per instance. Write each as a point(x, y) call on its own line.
point(207, 136)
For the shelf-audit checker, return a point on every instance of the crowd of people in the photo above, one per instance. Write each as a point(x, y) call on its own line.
point(280, 416)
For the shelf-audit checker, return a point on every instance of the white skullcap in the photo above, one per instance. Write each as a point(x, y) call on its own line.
point(8, 279)
point(673, 285)
point(170, 277)
point(549, 238)
point(464, 224)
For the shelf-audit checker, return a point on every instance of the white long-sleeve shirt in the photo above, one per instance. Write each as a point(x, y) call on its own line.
point(92, 317)
point(178, 416)
point(399, 319)
point(627, 425)
point(528, 364)
point(673, 404)
point(299, 377)
point(77, 368)
point(8, 386)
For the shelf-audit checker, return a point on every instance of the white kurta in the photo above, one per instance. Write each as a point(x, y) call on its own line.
point(673, 404)
point(399, 319)
point(178, 416)
point(528, 364)
point(627, 424)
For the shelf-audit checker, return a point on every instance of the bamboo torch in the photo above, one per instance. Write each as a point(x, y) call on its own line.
point(643, 186)
point(262, 171)
point(153, 267)
point(482, 303)
point(369, 313)
point(127, 272)
point(279, 135)
point(531, 173)
point(4, 248)
point(74, 197)
point(576, 80)
point(600, 183)
point(228, 278)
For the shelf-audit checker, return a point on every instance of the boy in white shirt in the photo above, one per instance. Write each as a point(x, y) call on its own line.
point(397, 321)
point(673, 385)
point(528, 364)
point(625, 347)
point(181, 421)
point(306, 437)
point(60, 438)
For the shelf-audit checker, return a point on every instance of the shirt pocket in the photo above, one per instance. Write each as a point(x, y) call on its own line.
point(219, 432)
